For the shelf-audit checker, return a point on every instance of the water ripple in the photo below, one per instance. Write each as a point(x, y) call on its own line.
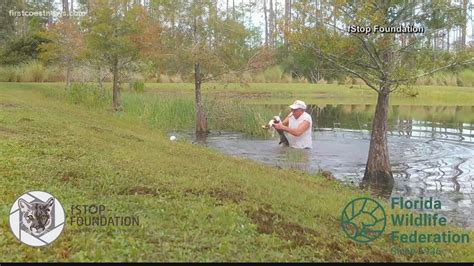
point(422, 165)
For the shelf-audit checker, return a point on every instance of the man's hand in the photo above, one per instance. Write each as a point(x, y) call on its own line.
point(279, 126)
point(294, 131)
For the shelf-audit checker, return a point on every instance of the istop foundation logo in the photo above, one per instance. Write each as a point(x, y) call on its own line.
point(37, 218)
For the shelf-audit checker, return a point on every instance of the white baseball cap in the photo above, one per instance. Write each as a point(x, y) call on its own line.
point(298, 105)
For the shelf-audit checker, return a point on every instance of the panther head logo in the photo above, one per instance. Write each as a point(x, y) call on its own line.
point(36, 215)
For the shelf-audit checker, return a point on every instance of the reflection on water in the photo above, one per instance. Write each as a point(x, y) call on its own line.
point(380, 189)
point(431, 156)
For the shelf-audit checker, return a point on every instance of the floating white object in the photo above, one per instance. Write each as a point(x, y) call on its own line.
point(172, 138)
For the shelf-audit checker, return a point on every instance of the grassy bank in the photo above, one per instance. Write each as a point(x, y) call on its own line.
point(194, 204)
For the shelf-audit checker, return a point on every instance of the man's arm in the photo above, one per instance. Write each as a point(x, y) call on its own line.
point(286, 121)
point(294, 131)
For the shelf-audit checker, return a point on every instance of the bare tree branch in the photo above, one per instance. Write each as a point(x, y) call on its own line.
point(375, 58)
point(398, 81)
point(248, 67)
point(347, 69)
point(373, 55)
point(375, 78)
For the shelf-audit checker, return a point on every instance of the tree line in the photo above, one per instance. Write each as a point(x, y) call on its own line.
point(233, 22)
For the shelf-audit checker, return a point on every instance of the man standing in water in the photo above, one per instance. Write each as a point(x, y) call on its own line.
point(297, 126)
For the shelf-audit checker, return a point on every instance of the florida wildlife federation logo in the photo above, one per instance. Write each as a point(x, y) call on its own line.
point(363, 220)
point(37, 218)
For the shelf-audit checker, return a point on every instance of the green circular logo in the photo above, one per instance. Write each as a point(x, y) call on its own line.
point(363, 220)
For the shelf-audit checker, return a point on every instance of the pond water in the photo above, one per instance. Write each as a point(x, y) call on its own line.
point(431, 151)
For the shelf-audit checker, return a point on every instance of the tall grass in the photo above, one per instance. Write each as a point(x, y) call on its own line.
point(35, 72)
point(466, 78)
point(171, 112)
point(177, 112)
point(86, 94)
point(32, 71)
point(232, 115)
point(273, 74)
point(10, 74)
point(164, 112)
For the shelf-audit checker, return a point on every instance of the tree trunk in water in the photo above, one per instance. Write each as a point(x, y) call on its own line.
point(116, 88)
point(378, 170)
point(201, 120)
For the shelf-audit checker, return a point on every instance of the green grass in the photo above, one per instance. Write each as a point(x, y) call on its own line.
point(194, 204)
point(321, 94)
point(282, 93)
point(171, 111)
point(32, 71)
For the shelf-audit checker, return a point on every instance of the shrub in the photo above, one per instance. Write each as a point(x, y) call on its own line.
point(409, 91)
point(34, 72)
point(348, 81)
point(450, 80)
point(56, 74)
point(88, 94)
point(467, 77)
point(430, 81)
point(83, 74)
point(420, 81)
point(229, 78)
point(286, 78)
point(138, 86)
point(273, 74)
point(440, 79)
point(358, 81)
point(164, 78)
point(176, 78)
point(246, 77)
point(341, 81)
point(258, 78)
point(10, 74)
point(302, 79)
